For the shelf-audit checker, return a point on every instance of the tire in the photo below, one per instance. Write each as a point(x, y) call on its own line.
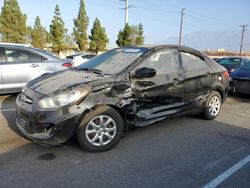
point(212, 106)
point(100, 130)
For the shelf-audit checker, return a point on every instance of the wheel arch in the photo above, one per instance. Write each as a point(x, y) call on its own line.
point(123, 115)
point(221, 92)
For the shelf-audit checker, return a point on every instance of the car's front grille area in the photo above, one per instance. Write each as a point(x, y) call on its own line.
point(31, 128)
point(23, 121)
point(27, 118)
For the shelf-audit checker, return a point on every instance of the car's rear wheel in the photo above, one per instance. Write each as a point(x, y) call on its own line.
point(213, 106)
point(100, 130)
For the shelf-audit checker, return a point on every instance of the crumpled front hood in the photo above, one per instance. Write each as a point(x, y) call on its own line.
point(52, 83)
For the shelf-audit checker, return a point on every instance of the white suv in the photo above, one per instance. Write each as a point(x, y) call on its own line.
point(78, 59)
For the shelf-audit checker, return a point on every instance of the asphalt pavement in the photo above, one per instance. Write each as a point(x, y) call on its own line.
point(181, 152)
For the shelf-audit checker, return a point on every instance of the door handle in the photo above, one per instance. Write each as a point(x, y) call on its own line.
point(34, 65)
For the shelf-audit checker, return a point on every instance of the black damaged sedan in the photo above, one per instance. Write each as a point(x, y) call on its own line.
point(131, 86)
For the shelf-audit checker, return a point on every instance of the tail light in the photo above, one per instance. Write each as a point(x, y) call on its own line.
point(225, 74)
point(67, 64)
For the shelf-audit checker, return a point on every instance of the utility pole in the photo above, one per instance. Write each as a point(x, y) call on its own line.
point(127, 6)
point(182, 14)
point(242, 36)
point(126, 11)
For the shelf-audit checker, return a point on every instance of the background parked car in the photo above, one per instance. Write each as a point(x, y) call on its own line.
point(232, 63)
point(127, 86)
point(78, 59)
point(240, 80)
point(21, 63)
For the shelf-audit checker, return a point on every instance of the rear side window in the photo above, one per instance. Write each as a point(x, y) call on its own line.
point(193, 65)
point(16, 55)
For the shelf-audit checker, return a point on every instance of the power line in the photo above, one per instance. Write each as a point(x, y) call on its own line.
point(153, 18)
point(244, 28)
point(182, 14)
point(104, 3)
point(198, 15)
point(152, 7)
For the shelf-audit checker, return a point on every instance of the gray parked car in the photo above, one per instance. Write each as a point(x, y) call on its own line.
point(21, 63)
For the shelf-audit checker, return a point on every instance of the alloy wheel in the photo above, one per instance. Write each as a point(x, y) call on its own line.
point(214, 106)
point(101, 130)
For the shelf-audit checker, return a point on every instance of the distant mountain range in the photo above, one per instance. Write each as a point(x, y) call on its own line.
point(213, 40)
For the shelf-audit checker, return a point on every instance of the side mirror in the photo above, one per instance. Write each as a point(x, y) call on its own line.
point(145, 72)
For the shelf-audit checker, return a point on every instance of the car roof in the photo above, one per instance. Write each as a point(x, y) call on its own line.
point(236, 57)
point(81, 54)
point(157, 47)
point(14, 44)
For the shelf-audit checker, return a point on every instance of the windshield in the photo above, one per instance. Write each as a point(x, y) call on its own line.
point(246, 67)
point(113, 61)
point(230, 61)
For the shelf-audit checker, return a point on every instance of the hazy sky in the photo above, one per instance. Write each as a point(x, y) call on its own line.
point(160, 18)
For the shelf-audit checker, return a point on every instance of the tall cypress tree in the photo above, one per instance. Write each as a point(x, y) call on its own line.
point(130, 35)
point(28, 34)
point(38, 35)
point(80, 29)
point(124, 36)
point(98, 38)
point(140, 38)
point(12, 23)
point(57, 31)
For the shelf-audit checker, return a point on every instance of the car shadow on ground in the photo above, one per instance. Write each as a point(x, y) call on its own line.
point(184, 145)
point(157, 132)
point(161, 147)
point(10, 116)
point(8, 107)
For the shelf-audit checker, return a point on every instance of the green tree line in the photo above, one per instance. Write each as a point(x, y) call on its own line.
point(13, 28)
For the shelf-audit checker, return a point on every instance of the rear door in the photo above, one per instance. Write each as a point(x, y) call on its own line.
point(198, 79)
point(160, 95)
point(20, 67)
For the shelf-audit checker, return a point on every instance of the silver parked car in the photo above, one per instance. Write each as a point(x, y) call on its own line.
point(21, 63)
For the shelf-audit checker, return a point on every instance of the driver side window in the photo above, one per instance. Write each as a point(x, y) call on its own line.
point(163, 61)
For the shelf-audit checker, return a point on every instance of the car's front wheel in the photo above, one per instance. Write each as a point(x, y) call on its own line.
point(100, 130)
point(213, 106)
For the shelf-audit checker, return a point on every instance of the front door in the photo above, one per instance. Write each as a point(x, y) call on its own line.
point(160, 95)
